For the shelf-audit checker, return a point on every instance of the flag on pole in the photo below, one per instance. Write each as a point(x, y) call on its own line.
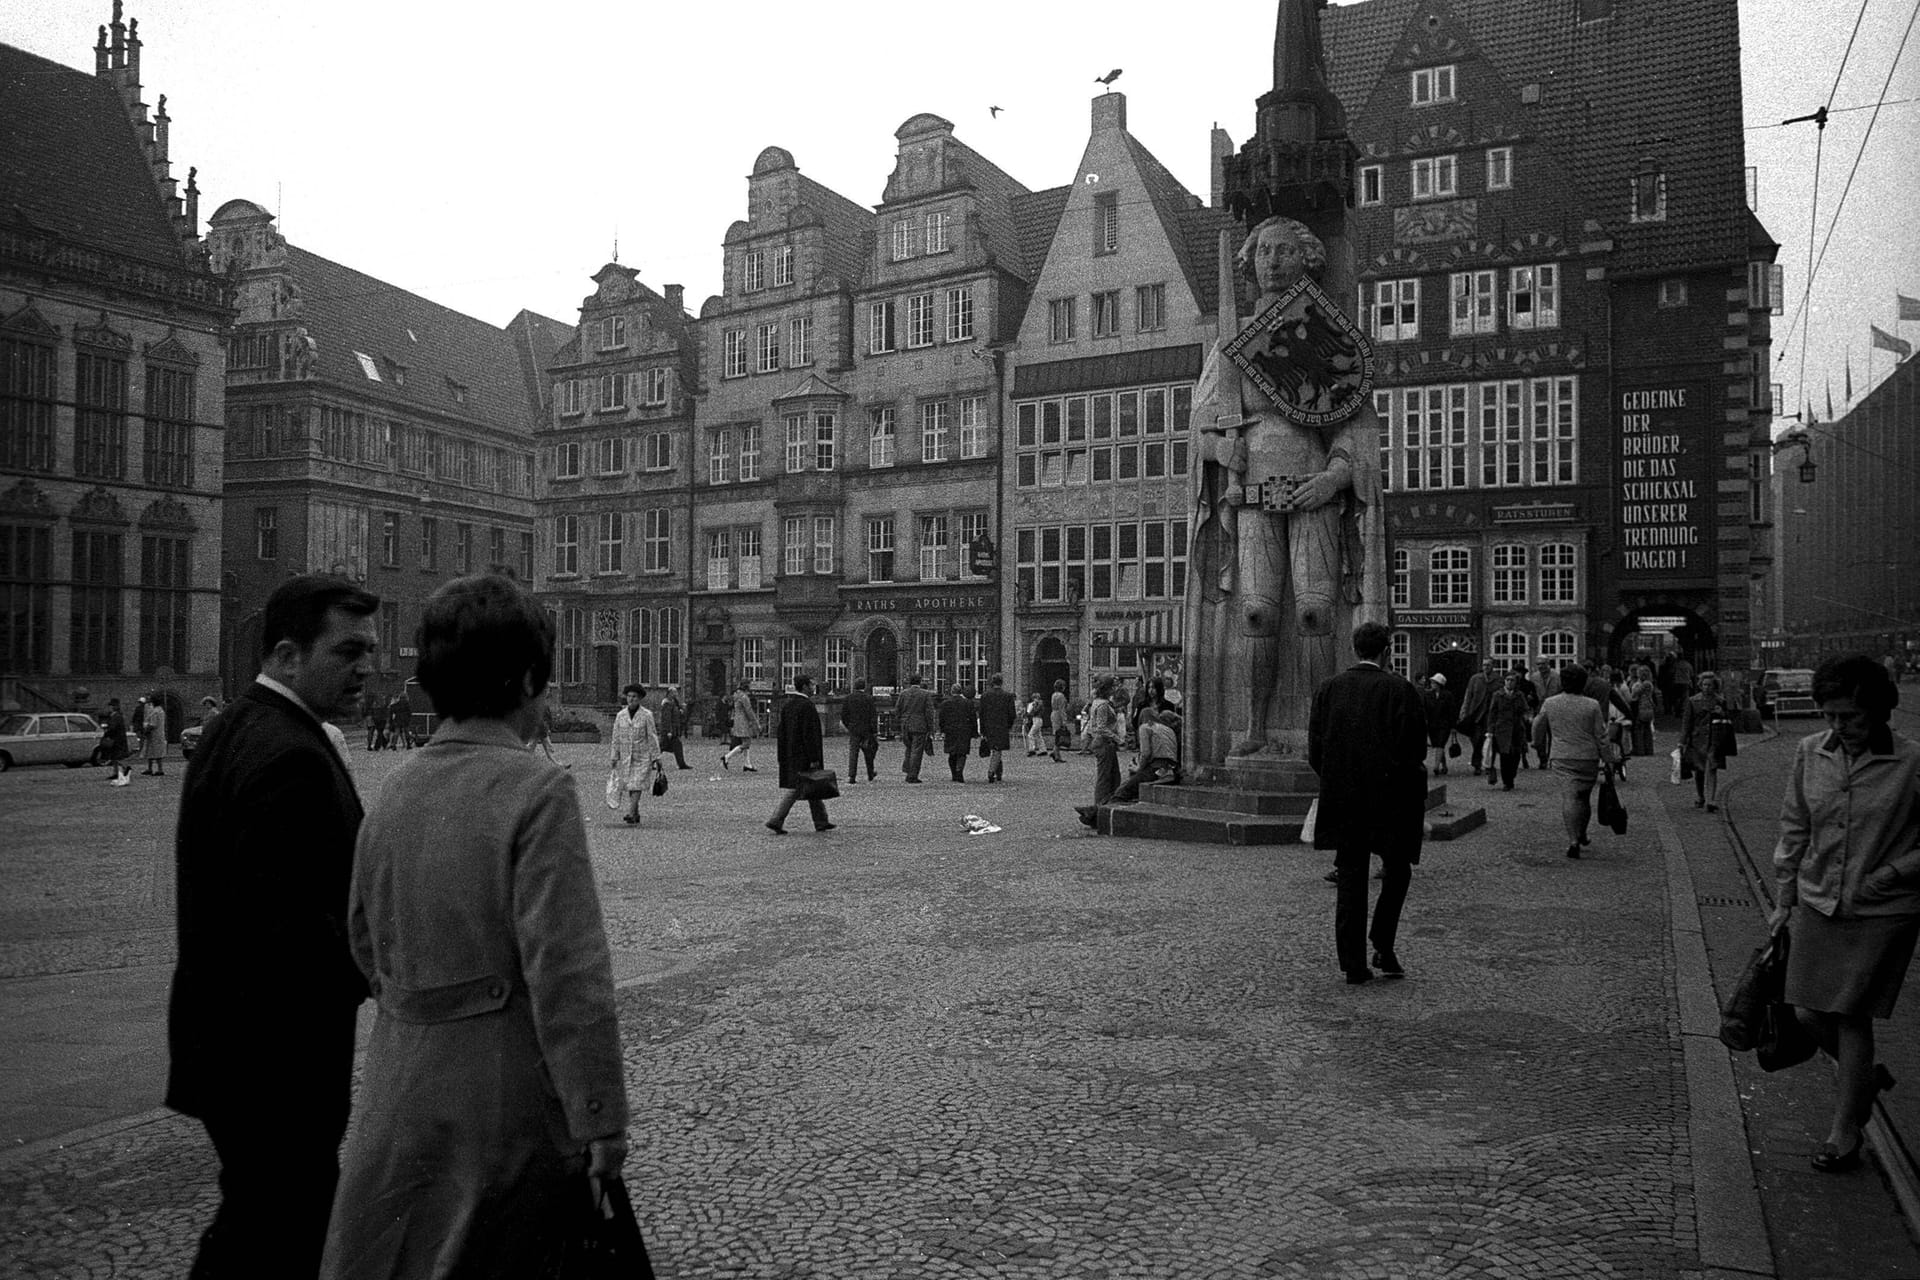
point(1887, 342)
point(1829, 398)
point(1909, 307)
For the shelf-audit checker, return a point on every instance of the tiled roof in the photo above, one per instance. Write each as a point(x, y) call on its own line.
point(1036, 216)
point(848, 227)
point(1655, 80)
point(346, 311)
point(997, 190)
point(1200, 229)
point(70, 164)
point(537, 340)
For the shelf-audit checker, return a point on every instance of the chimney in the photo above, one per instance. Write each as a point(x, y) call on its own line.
point(677, 299)
point(1109, 111)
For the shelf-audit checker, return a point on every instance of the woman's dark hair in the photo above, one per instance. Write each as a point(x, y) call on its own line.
point(1861, 678)
point(1573, 678)
point(479, 637)
point(298, 608)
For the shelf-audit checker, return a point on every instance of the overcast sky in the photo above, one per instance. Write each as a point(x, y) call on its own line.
point(487, 161)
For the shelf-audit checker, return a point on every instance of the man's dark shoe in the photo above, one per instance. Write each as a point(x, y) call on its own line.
point(1388, 964)
point(1332, 877)
point(1573, 851)
point(823, 826)
point(915, 780)
point(1357, 976)
point(776, 828)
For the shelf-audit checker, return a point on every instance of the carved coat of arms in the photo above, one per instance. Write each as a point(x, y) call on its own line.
point(1307, 356)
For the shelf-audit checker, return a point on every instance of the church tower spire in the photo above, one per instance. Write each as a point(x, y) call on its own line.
point(1300, 160)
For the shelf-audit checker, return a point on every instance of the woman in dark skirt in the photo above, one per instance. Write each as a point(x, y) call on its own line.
point(1849, 852)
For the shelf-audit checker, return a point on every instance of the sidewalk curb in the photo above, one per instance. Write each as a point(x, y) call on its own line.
point(1732, 1230)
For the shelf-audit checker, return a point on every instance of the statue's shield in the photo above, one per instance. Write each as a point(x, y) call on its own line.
point(1307, 356)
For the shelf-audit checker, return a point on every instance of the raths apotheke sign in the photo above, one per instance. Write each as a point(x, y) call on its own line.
point(1665, 494)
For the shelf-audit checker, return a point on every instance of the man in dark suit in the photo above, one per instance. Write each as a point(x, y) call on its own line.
point(799, 749)
point(915, 717)
point(959, 721)
point(1366, 738)
point(670, 718)
point(260, 1020)
point(858, 717)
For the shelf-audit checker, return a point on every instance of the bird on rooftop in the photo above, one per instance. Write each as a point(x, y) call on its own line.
point(1108, 78)
point(994, 111)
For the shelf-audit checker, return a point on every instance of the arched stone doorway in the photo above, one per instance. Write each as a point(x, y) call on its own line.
point(1456, 658)
point(1657, 631)
point(883, 659)
point(1050, 664)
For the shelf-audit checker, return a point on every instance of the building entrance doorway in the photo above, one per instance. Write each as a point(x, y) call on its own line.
point(1049, 665)
point(883, 659)
point(606, 674)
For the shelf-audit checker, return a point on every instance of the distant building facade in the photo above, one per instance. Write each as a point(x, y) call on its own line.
point(111, 363)
point(370, 433)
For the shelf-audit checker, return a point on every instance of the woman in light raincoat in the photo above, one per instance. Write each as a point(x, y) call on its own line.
point(636, 753)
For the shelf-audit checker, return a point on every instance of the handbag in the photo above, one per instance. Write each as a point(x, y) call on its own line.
point(1756, 1015)
point(821, 784)
point(984, 752)
point(616, 787)
point(1725, 745)
point(604, 1241)
point(1453, 746)
point(1613, 814)
point(659, 779)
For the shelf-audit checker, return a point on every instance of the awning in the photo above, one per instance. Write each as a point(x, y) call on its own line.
point(1142, 628)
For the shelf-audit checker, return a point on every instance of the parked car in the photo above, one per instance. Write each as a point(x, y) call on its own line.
point(1786, 691)
point(48, 737)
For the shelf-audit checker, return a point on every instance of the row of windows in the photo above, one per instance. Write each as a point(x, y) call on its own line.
point(96, 601)
point(813, 441)
point(607, 535)
point(1517, 433)
point(762, 268)
point(1104, 313)
point(951, 315)
point(920, 233)
point(613, 392)
point(654, 642)
point(1506, 648)
point(1527, 297)
point(613, 455)
point(1435, 177)
point(1516, 575)
point(28, 396)
point(337, 534)
point(810, 544)
point(1064, 440)
point(1131, 560)
point(344, 435)
point(943, 658)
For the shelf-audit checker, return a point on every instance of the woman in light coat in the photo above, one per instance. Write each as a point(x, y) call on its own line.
point(493, 1094)
point(636, 752)
point(153, 738)
point(1703, 741)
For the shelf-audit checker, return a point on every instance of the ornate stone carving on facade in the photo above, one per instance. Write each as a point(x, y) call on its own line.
point(27, 500)
point(102, 334)
point(167, 513)
point(1430, 223)
point(28, 320)
point(301, 355)
point(97, 506)
point(171, 350)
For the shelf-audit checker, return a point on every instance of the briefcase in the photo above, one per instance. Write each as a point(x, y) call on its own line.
point(821, 784)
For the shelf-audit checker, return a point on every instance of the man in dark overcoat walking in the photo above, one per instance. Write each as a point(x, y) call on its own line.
point(260, 1019)
point(799, 749)
point(861, 720)
point(914, 714)
point(1366, 738)
point(997, 713)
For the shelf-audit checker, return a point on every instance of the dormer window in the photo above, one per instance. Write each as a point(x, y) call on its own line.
point(396, 373)
point(613, 332)
point(1432, 84)
point(367, 366)
point(1649, 192)
point(457, 390)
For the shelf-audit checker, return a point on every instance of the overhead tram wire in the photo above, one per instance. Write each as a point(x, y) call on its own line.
point(1868, 136)
point(1837, 111)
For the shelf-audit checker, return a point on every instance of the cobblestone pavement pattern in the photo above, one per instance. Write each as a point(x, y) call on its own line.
point(898, 1050)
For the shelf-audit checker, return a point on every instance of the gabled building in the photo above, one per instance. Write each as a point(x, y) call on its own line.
point(616, 456)
point(371, 433)
point(1096, 464)
point(1569, 313)
point(111, 362)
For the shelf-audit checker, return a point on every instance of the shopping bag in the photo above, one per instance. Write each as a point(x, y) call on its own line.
point(616, 788)
point(1312, 824)
point(1756, 1015)
point(1674, 775)
point(604, 1243)
point(1613, 814)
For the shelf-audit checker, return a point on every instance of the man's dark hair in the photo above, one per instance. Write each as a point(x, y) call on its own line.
point(914, 678)
point(634, 688)
point(1861, 678)
point(803, 682)
point(479, 637)
point(1573, 678)
point(297, 610)
point(995, 680)
point(1370, 640)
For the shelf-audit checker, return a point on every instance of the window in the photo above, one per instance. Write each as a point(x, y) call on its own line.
point(1556, 648)
point(567, 393)
point(573, 645)
point(463, 548)
point(640, 645)
point(800, 340)
point(719, 457)
point(970, 659)
point(1499, 168)
point(930, 657)
point(973, 527)
point(496, 549)
point(26, 406)
point(1555, 432)
point(823, 544)
point(973, 427)
point(937, 232)
point(933, 431)
point(920, 320)
point(1432, 84)
point(167, 455)
point(1533, 297)
point(1149, 308)
point(880, 549)
point(825, 434)
point(659, 456)
point(613, 392)
point(429, 543)
point(839, 662)
point(613, 332)
point(566, 546)
point(1432, 425)
point(1508, 649)
point(1449, 578)
point(96, 603)
point(1435, 177)
point(734, 353)
point(1395, 310)
point(1559, 580)
point(719, 559)
point(753, 667)
point(1673, 292)
point(783, 265)
point(656, 546)
point(750, 451)
point(526, 555)
point(960, 315)
point(606, 542)
point(1060, 320)
point(933, 548)
point(1106, 222)
point(1474, 306)
point(1649, 195)
point(880, 437)
point(766, 348)
point(1502, 435)
point(390, 539)
point(1400, 655)
point(747, 549)
point(1402, 579)
point(1106, 313)
point(165, 601)
point(799, 444)
point(753, 271)
point(386, 653)
point(610, 455)
point(792, 660)
point(903, 238)
point(880, 327)
point(1509, 574)
point(266, 533)
point(100, 417)
point(1371, 184)
point(1766, 287)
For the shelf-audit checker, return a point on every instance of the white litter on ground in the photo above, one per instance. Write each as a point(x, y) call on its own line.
point(977, 825)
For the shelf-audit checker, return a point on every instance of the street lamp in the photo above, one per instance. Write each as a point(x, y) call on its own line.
point(1800, 439)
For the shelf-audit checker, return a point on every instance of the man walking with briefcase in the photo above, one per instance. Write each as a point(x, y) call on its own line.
point(799, 749)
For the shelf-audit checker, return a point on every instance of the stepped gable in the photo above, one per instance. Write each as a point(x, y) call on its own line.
point(964, 169)
point(348, 311)
point(71, 165)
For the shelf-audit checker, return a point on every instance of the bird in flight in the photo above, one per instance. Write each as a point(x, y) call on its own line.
point(1108, 78)
point(995, 111)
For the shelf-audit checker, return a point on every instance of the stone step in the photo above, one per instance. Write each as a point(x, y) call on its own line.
point(1197, 826)
point(1290, 776)
point(1227, 799)
point(1451, 824)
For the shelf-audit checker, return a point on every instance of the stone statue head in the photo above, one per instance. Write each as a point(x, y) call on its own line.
point(1313, 252)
